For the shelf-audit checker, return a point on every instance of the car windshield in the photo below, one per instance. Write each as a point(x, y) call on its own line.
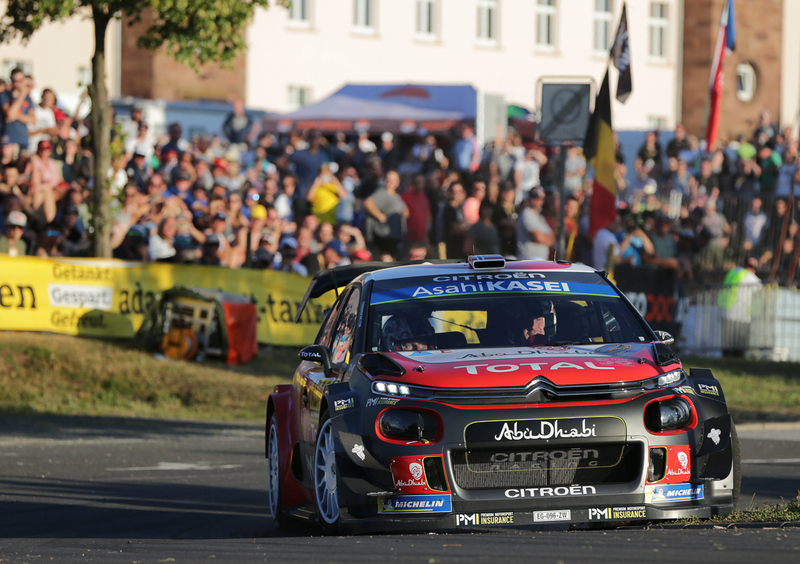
point(505, 309)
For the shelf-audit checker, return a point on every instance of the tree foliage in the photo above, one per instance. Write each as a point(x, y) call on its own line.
point(194, 32)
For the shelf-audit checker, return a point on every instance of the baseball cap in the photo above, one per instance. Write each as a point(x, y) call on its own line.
point(362, 254)
point(181, 174)
point(71, 209)
point(138, 231)
point(338, 247)
point(288, 242)
point(17, 218)
point(219, 162)
point(59, 114)
point(221, 216)
point(5, 140)
point(45, 144)
point(212, 239)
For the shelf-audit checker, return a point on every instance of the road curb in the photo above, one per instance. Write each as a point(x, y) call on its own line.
point(727, 526)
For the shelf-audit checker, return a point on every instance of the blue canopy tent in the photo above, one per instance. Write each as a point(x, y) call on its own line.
point(399, 108)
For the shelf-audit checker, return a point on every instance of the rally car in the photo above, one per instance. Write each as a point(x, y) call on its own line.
point(491, 393)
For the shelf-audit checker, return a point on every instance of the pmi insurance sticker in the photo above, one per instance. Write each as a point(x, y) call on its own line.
point(552, 516)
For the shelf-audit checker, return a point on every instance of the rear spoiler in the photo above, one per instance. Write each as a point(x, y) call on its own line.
point(333, 279)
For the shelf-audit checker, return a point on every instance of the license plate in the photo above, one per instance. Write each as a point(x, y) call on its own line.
point(544, 516)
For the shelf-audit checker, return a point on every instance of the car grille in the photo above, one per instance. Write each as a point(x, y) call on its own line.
point(532, 467)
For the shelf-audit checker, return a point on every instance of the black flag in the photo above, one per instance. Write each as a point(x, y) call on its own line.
point(621, 53)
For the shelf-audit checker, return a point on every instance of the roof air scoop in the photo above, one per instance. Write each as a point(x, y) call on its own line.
point(486, 262)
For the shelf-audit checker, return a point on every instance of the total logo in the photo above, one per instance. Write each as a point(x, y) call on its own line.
point(535, 367)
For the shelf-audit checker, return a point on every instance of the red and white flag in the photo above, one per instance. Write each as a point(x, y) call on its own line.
point(726, 42)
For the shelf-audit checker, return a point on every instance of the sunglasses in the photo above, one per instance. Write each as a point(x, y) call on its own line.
point(53, 233)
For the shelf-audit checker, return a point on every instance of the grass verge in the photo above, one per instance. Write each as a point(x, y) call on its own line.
point(48, 373)
point(756, 390)
point(788, 512)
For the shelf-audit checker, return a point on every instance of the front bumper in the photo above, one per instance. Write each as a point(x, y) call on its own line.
point(371, 499)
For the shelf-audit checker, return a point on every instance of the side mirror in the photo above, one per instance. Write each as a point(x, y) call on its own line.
point(319, 354)
point(665, 337)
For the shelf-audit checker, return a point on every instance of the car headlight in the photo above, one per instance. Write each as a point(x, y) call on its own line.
point(401, 390)
point(670, 378)
point(665, 380)
point(668, 415)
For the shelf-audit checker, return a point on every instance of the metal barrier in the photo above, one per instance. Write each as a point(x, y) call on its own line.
point(759, 322)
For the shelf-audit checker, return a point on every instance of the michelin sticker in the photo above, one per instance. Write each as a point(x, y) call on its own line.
point(673, 492)
point(415, 504)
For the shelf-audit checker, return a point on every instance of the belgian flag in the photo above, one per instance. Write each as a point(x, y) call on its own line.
point(599, 151)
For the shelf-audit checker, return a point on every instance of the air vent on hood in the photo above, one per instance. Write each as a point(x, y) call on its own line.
point(378, 364)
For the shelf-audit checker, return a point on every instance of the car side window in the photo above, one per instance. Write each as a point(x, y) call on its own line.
point(346, 327)
point(324, 335)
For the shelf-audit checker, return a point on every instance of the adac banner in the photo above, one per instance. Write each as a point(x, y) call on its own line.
point(108, 298)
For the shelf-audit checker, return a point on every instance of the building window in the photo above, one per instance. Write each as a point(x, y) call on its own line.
point(9, 65)
point(84, 76)
point(745, 82)
point(488, 22)
point(656, 123)
point(427, 19)
point(299, 96)
point(546, 25)
point(602, 25)
point(659, 23)
point(364, 16)
point(300, 13)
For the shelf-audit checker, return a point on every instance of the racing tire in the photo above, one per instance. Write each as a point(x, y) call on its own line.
point(274, 474)
point(326, 492)
point(737, 465)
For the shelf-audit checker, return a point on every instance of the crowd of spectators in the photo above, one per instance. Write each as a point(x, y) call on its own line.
point(304, 201)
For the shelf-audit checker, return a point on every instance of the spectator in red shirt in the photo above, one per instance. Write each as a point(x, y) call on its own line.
point(419, 211)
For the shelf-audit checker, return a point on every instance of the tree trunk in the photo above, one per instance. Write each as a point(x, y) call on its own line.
point(101, 138)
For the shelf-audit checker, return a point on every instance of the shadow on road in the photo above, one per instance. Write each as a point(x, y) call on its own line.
point(85, 509)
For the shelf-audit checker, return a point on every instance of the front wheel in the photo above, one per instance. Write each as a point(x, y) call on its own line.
point(326, 477)
point(274, 473)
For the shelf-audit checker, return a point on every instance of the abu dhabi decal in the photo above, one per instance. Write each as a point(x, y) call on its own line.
point(546, 430)
point(534, 430)
point(490, 287)
point(617, 513)
point(415, 504)
point(561, 491)
point(673, 492)
point(679, 467)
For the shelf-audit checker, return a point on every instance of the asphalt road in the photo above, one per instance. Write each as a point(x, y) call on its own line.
point(120, 490)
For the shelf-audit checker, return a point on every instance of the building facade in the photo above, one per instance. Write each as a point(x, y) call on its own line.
point(59, 57)
point(304, 53)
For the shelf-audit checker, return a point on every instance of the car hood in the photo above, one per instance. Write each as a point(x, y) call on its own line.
point(517, 366)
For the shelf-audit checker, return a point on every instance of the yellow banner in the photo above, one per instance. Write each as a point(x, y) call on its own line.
point(108, 298)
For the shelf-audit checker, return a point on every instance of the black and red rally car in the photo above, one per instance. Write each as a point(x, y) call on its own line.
point(485, 393)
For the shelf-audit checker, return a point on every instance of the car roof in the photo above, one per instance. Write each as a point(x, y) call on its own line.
point(411, 271)
point(333, 279)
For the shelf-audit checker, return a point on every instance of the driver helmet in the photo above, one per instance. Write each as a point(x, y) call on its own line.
point(546, 309)
point(394, 332)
